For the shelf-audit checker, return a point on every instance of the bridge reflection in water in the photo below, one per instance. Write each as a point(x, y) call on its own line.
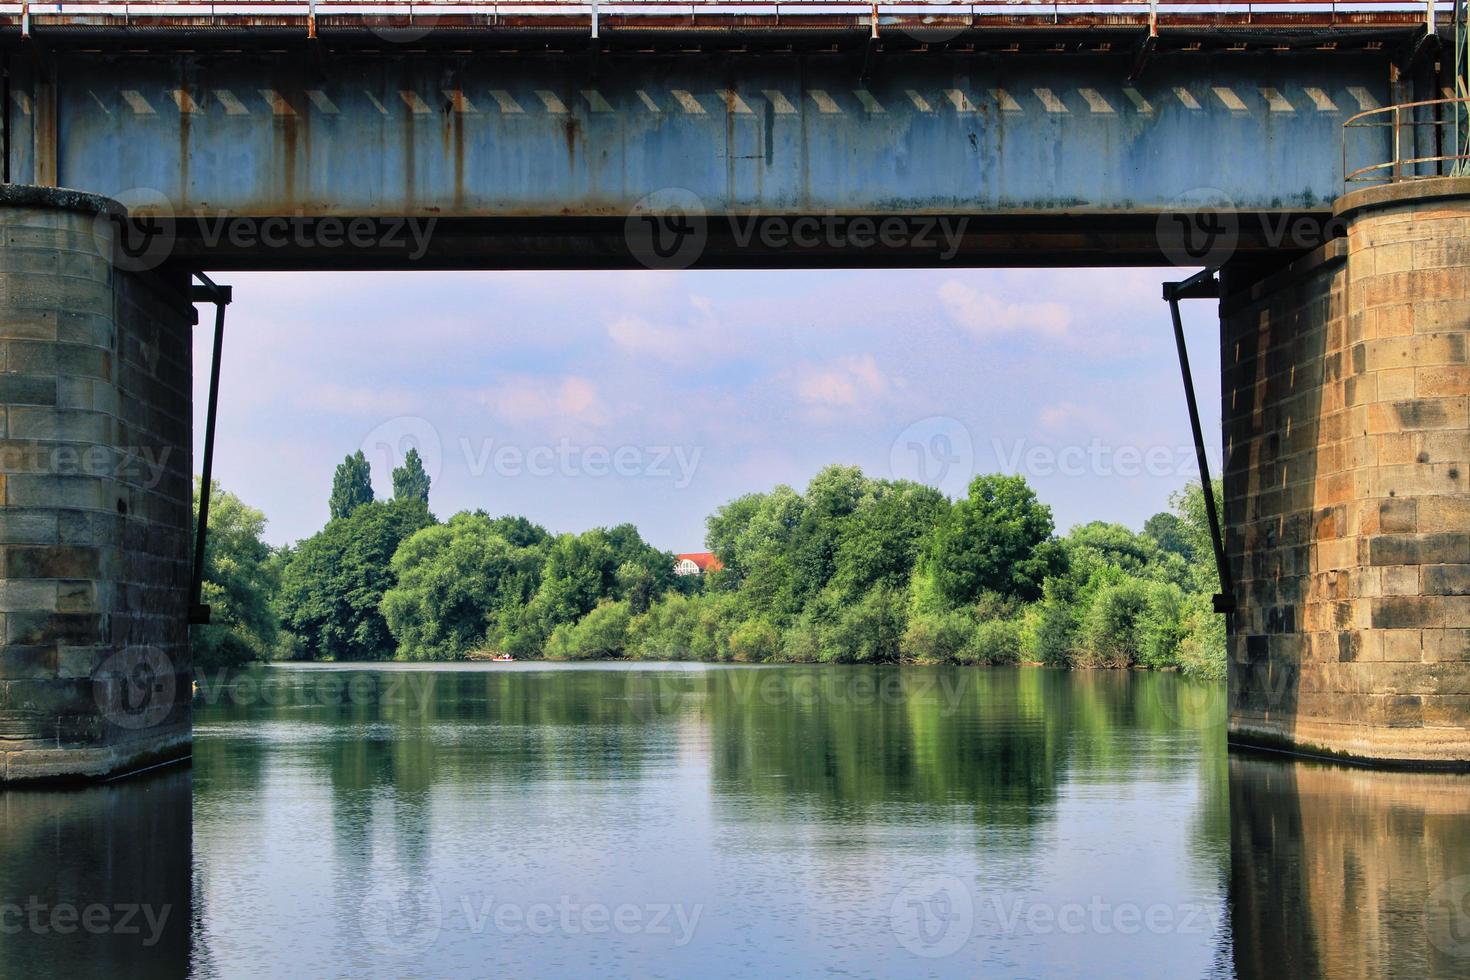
point(1348, 872)
point(789, 802)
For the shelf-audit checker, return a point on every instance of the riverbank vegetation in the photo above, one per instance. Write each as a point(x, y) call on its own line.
point(850, 570)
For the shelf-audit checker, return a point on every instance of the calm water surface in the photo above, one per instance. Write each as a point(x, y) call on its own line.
point(534, 820)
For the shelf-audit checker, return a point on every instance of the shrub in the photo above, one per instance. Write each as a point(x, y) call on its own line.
point(994, 641)
point(1050, 626)
point(937, 637)
point(755, 641)
point(1111, 625)
point(601, 633)
point(867, 631)
point(801, 642)
point(1161, 627)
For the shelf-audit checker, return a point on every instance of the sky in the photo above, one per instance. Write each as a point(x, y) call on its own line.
point(585, 399)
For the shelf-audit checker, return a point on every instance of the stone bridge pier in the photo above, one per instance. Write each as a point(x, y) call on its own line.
point(1346, 413)
point(95, 421)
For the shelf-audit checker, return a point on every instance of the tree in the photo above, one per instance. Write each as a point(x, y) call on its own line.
point(880, 543)
point(352, 486)
point(239, 584)
point(452, 582)
point(1168, 532)
point(410, 482)
point(333, 583)
point(997, 539)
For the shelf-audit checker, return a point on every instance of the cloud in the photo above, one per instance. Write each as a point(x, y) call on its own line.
point(986, 315)
point(848, 382)
point(700, 340)
point(529, 399)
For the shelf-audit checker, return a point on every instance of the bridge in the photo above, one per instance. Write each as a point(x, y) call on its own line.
point(145, 142)
point(529, 131)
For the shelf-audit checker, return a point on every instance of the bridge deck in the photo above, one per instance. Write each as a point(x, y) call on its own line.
point(1056, 132)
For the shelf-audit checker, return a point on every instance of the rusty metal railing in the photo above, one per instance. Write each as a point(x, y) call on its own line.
point(1433, 124)
point(975, 8)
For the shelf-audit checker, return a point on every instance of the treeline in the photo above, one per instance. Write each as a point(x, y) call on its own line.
point(851, 570)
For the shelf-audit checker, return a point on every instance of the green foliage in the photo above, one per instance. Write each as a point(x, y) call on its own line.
point(869, 630)
point(681, 627)
point(601, 633)
point(1111, 623)
point(1167, 531)
point(997, 539)
point(993, 641)
point(410, 482)
point(937, 637)
point(1050, 628)
point(755, 641)
point(452, 581)
point(240, 579)
point(850, 570)
point(334, 581)
point(352, 486)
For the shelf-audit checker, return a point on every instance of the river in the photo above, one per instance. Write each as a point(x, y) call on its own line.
point(682, 820)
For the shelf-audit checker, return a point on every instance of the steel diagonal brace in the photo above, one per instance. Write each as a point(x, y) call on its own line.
point(1201, 285)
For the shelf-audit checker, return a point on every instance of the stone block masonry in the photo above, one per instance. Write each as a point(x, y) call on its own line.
point(95, 478)
point(1346, 395)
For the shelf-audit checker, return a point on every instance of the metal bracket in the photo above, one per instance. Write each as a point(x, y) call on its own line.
point(1201, 285)
point(208, 292)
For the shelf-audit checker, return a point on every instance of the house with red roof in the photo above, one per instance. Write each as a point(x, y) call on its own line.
point(696, 563)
